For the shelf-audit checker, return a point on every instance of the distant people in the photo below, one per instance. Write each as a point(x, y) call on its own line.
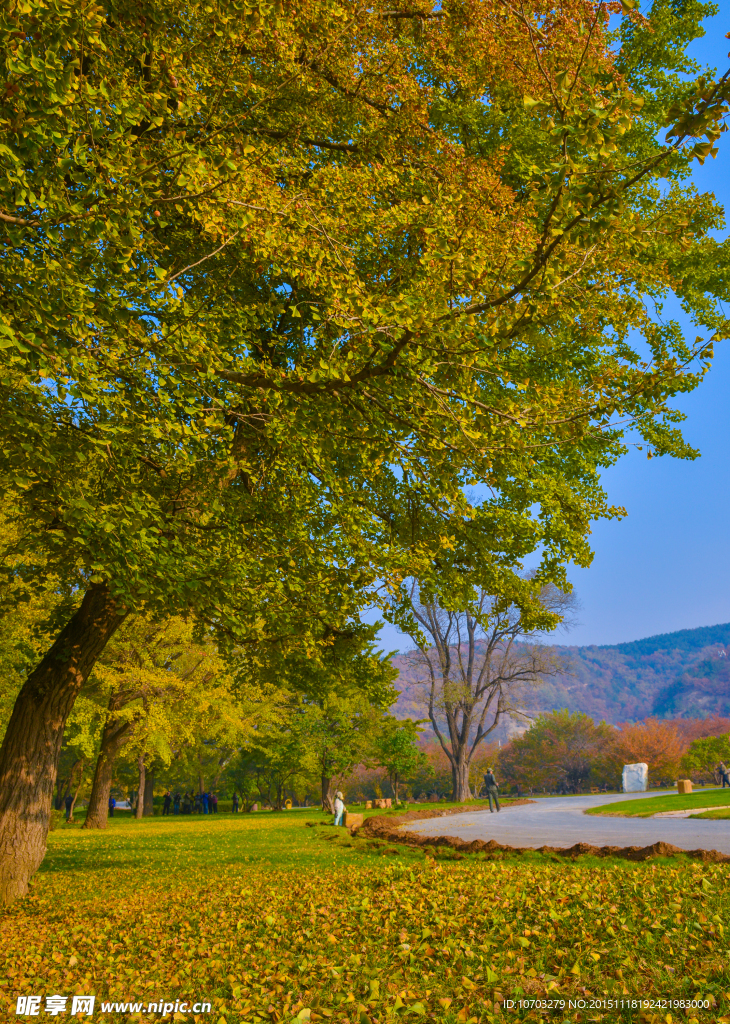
point(112, 805)
point(724, 774)
point(491, 785)
point(167, 803)
point(206, 802)
point(68, 804)
point(339, 807)
point(176, 804)
point(235, 803)
point(214, 802)
point(198, 804)
point(187, 806)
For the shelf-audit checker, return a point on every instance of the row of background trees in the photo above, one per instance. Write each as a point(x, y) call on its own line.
point(166, 707)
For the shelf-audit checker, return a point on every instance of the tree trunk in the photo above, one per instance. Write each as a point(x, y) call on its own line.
point(328, 788)
point(32, 743)
point(139, 810)
point(149, 785)
point(460, 778)
point(65, 785)
point(113, 738)
point(76, 794)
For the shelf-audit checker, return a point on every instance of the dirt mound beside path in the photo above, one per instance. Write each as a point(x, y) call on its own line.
point(389, 828)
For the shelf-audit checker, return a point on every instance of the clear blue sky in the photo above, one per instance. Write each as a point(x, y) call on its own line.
point(666, 566)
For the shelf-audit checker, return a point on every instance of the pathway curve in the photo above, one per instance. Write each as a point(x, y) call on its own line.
point(560, 822)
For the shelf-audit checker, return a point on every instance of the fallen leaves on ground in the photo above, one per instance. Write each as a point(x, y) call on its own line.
point(343, 936)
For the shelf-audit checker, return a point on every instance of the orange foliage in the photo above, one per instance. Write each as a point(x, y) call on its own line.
point(658, 743)
point(700, 728)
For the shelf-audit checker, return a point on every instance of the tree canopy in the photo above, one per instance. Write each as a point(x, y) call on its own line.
point(280, 280)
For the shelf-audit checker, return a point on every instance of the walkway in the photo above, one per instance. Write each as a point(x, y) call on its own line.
point(560, 822)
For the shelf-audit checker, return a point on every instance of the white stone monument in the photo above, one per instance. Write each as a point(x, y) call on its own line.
point(636, 778)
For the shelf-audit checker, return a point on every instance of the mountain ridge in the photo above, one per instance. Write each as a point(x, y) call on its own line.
point(684, 674)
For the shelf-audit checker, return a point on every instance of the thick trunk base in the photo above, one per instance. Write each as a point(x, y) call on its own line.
point(30, 749)
point(460, 781)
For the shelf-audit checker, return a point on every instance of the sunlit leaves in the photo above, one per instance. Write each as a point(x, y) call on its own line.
point(296, 929)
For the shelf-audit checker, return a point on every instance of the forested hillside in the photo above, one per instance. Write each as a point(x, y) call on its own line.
point(682, 674)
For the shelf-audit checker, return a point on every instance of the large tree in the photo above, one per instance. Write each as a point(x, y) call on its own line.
point(279, 280)
point(475, 666)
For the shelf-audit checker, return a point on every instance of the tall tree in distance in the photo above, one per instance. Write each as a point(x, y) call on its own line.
point(475, 667)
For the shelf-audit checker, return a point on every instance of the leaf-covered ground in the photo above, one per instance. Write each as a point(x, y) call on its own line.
point(272, 921)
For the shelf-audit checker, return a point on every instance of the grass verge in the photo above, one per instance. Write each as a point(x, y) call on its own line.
point(647, 806)
point(273, 921)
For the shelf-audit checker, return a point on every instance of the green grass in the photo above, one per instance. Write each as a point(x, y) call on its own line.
point(274, 921)
point(719, 814)
point(647, 806)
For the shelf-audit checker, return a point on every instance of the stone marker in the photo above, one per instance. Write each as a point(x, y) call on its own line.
point(353, 820)
point(684, 785)
point(255, 807)
point(636, 777)
point(388, 801)
point(368, 805)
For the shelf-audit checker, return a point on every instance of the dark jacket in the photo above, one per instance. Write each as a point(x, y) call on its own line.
point(490, 782)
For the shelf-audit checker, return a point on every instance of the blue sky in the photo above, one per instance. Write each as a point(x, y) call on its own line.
point(667, 565)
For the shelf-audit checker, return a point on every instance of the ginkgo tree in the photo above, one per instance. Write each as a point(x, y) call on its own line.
point(161, 690)
point(280, 279)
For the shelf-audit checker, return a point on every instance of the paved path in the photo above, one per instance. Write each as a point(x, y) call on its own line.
point(560, 822)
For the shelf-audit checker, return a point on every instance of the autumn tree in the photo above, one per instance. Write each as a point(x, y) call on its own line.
point(559, 751)
point(270, 303)
point(656, 743)
point(476, 666)
point(158, 681)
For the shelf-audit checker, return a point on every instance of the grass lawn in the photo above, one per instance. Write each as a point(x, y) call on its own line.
point(271, 920)
point(646, 806)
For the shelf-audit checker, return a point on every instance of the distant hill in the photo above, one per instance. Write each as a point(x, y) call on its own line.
point(683, 674)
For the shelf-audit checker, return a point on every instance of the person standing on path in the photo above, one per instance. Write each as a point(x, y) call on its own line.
point(492, 786)
point(112, 805)
point(339, 807)
point(235, 803)
point(724, 774)
point(206, 798)
point(176, 804)
point(166, 804)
